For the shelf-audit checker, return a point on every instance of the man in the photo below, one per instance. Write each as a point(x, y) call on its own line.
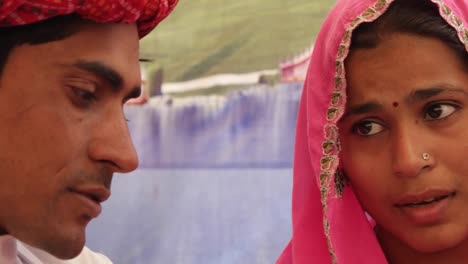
point(66, 69)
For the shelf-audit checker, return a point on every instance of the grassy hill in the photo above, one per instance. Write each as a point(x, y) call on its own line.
point(205, 37)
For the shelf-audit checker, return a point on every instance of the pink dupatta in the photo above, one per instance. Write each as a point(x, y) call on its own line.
point(329, 225)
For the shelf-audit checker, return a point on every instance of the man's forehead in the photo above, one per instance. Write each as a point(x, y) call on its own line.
point(93, 50)
point(112, 46)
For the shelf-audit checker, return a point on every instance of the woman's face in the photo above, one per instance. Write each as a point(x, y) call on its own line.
point(407, 97)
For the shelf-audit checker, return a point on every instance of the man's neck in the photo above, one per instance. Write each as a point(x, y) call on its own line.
point(398, 252)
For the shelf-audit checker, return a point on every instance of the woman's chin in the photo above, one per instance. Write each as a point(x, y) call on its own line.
point(436, 239)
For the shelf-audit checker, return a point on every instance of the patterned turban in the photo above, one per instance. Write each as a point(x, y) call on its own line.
point(146, 13)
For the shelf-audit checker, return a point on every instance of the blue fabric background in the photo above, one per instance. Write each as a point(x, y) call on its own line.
point(214, 185)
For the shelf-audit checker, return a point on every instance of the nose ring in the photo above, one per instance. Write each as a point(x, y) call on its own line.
point(425, 156)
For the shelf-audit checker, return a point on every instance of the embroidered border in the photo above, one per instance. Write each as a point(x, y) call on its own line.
point(330, 146)
point(453, 21)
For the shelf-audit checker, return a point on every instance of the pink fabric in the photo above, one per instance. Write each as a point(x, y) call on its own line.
point(351, 237)
point(146, 13)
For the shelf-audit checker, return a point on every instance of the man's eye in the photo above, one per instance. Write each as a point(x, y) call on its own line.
point(367, 128)
point(439, 111)
point(85, 95)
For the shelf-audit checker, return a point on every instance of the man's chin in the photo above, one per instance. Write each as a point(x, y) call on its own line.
point(66, 253)
point(59, 247)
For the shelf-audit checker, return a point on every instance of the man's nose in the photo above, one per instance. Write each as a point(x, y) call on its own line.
point(111, 144)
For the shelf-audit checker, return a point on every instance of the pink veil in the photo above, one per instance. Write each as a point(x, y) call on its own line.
point(329, 225)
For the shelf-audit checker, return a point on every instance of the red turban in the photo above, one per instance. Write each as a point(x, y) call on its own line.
point(146, 13)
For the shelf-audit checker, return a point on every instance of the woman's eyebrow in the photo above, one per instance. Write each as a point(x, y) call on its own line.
point(363, 108)
point(424, 94)
point(413, 97)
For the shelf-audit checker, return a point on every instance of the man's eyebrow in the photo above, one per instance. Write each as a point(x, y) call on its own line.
point(146, 60)
point(111, 76)
point(424, 94)
point(362, 108)
point(102, 71)
point(134, 93)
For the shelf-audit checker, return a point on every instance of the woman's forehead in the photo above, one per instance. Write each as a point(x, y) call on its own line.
point(402, 64)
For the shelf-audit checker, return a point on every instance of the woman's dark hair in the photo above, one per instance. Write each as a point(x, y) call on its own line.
point(420, 17)
point(49, 30)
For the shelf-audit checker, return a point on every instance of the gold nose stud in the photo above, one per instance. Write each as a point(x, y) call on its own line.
point(425, 156)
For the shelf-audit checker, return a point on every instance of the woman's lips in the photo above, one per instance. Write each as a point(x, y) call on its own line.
point(423, 197)
point(426, 208)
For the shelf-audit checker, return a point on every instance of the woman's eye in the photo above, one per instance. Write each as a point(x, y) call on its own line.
point(439, 111)
point(367, 128)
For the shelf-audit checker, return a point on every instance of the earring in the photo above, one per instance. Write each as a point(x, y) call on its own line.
point(341, 181)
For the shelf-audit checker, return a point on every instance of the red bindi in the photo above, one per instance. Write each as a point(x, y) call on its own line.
point(395, 104)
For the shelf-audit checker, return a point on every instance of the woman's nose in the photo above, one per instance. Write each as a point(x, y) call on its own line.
point(410, 152)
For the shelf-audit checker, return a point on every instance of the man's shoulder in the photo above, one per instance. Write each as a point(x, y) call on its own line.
point(34, 255)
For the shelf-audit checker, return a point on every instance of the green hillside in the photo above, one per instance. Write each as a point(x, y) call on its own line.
point(205, 37)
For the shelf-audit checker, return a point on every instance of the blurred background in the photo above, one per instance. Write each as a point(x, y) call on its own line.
point(214, 130)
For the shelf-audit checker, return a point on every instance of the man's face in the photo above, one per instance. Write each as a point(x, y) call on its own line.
point(63, 133)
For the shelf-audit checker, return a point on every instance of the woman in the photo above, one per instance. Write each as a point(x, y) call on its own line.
point(380, 173)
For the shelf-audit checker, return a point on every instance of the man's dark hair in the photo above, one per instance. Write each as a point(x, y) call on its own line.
point(420, 17)
point(49, 30)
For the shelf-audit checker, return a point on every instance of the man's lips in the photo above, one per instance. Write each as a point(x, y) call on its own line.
point(91, 197)
point(423, 198)
point(96, 193)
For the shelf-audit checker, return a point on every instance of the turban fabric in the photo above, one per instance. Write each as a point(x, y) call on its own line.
point(145, 13)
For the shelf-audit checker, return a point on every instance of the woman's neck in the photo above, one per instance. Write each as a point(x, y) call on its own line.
point(398, 252)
